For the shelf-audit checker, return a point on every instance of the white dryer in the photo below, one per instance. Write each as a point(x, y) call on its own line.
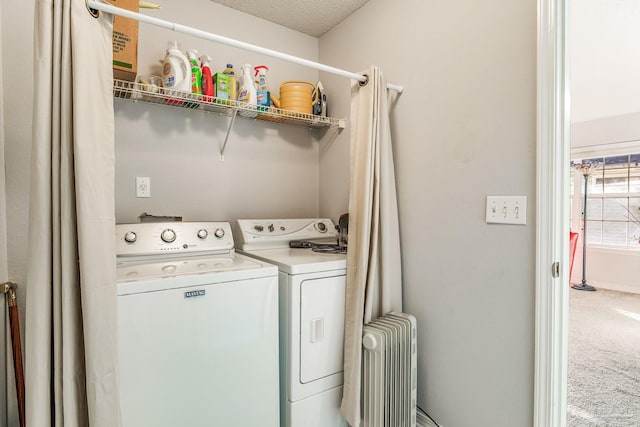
point(312, 302)
point(198, 328)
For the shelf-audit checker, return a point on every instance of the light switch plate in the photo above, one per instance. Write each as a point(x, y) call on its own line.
point(506, 210)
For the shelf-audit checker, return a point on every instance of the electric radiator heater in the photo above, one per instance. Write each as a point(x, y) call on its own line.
point(389, 373)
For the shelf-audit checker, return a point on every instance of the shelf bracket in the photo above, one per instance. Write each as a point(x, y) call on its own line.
point(226, 137)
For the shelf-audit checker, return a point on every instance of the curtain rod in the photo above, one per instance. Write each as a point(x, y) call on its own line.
point(93, 4)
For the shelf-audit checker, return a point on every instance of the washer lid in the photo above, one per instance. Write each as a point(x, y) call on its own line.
point(299, 261)
point(197, 265)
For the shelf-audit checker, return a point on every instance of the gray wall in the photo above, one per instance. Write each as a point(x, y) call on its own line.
point(17, 76)
point(4, 273)
point(269, 170)
point(463, 129)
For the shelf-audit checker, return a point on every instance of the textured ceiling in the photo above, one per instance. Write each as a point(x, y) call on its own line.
point(313, 17)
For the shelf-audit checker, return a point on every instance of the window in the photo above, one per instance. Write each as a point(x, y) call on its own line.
point(613, 201)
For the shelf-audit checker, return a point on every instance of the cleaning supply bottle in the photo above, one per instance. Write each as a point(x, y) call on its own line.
point(263, 98)
point(208, 88)
point(221, 80)
point(176, 74)
point(247, 91)
point(233, 83)
point(196, 72)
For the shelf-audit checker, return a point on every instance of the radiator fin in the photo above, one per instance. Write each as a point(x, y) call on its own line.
point(389, 371)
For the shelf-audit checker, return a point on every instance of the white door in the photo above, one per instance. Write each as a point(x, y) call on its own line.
point(321, 327)
point(200, 356)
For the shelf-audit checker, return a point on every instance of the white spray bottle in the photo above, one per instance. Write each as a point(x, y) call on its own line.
point(247, 91)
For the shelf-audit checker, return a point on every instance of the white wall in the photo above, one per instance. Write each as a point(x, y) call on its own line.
point(607, 268)
point(463, 129)
point(269, 170)
point(616, 134)
point(604, 58)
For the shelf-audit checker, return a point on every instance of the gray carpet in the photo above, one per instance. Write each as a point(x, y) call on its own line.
point(604, 359)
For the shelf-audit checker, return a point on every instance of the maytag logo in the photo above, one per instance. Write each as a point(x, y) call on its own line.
point(194, 294)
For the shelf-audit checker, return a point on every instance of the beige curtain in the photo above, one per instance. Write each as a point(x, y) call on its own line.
point(71, 329)
point(374, 275)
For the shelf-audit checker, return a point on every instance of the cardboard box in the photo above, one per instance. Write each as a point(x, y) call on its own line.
point(125, 42)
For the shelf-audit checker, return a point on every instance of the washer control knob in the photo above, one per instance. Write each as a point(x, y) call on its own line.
point(219, 233)
point(258, 227)
point(322, 227)
point(168, 235)
point(130, 237)
point(271, 227)
point(202, 233)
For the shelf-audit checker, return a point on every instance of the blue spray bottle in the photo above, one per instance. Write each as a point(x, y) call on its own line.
point(263, 98)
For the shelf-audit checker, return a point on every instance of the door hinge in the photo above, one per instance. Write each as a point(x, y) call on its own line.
point(555, 270)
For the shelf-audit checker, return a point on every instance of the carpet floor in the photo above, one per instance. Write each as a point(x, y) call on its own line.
point(604, 359)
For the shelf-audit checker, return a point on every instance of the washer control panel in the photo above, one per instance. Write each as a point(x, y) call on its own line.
point(173, 237)
point(277, 233)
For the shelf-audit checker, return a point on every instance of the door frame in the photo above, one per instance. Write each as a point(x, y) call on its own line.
point(552, 215)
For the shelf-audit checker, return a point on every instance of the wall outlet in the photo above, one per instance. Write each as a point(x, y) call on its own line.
point(506, 210)
point(143, 186)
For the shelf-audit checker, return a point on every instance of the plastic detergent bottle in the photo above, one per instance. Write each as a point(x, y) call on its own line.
point(208, 88)
point(262, 89)
point(176, 70)
point(247, 90)
point(233, 83)
point(196, 72)
point(176, 74)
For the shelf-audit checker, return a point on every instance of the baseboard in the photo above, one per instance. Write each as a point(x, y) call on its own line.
point(631, 289)
point(422, 420)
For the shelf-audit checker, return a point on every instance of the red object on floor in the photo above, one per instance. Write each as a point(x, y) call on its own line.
point(573, 242)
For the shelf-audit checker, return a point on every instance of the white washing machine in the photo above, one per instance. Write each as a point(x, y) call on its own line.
point(312, 303)
point(198, 328)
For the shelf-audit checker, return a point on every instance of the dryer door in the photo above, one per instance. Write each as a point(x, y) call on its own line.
point(321, 327)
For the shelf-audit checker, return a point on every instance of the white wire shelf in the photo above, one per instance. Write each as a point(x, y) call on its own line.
point(178, 99)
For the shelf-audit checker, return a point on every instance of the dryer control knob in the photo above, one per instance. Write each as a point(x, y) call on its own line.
point(322, 227)
point(130, 237)
point(219, 233)
point(168, 235)
point(202, 233)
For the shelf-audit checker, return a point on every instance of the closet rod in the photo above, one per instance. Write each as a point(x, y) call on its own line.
point(93, 4)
